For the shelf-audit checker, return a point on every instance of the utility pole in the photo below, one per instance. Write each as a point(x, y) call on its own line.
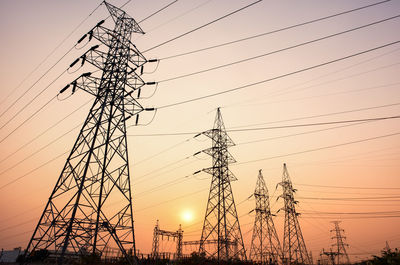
point(294, 248)
point(81, 217)
point(221, 222)
point(265, 245)
point(342, 257)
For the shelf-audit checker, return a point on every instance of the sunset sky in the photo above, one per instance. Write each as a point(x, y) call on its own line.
point(345, 171)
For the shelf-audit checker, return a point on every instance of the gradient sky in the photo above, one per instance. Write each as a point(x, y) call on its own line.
point(30, 30)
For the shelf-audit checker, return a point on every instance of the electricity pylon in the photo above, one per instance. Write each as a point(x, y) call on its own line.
point(265, 245)
point(221, 237)
point(341, 257)
point(90, 207)
point(294, 248)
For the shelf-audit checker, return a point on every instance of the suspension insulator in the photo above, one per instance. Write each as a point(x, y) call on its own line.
point(83, 59)
point(137, 119)
point(86, 74)
point(90, 35)
point(101, 22)
point(150, 83)
point(152, 60)
point(141, 70)
point(73, 63)
point(65, 88)
point(81, 39)
point(138, 94)
point(73, 87)
point(94, 47)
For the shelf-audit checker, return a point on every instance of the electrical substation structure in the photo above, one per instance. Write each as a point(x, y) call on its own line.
point(221, 237)
point(90, 208)
point(294, 248)
point(341, 257)
point(175, 235)
point(265, 246)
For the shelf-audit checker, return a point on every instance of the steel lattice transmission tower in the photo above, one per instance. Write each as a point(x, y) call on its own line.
point(341, 257)
point(90, 207)
point(221, 237)
point(265, 245)
point(294, 248)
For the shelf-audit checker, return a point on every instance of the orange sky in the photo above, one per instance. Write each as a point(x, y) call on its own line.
point(31, 30)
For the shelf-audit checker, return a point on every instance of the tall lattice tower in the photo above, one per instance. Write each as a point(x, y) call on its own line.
point(294, 248)
point(265, 245)
point(221, 237)
point(90, 207)
point(341, 257)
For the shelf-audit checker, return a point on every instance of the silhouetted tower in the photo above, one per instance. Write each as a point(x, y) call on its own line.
point(342, 257)
point(156, 242)
point(90, 207)
point(294, 248)
point(175, 235)
point(331, 255)
point(265, 245)
point(221, 237)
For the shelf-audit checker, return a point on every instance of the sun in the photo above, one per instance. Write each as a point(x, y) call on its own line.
point(187, 215)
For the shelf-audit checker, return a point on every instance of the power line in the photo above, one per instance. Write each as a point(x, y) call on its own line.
point(202, 26)
point(320, 148)
point(45, 59)
point(316, 96)
point(26, 120)
point(347, 187)
point(163, 151)
point(33, 170)
point(33, 99)
point(322, 115)
point(158, 11)
point(179, 16)
point(274, 31)
point(314, 124)
point(45, 131)
point(40, 149)
point(290, 88)
point(297, 134)
point(277, 127)
point(174, 199)
point(351, 213)
point(278, 77)
point(277, 51)
point(376, 198)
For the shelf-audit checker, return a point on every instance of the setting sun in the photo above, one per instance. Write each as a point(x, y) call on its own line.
point(187, 215)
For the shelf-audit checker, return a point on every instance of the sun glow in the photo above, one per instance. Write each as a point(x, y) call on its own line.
point(187, 215)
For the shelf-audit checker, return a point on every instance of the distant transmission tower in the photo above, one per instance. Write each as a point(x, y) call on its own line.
point(175, 235)
point(294, 248)
point(265, 245)
point(341, 257)
point(90, 207)
point(221, 237)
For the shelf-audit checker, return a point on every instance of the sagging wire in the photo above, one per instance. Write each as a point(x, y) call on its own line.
point(154, 92)
point(137, 117)
point(152, 61)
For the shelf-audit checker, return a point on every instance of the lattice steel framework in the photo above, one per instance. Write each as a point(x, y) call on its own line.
point(341, 257)
point(221, 222)
point(90, 207)
point(294, 248)
point(265, 246)
point(175, 235)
